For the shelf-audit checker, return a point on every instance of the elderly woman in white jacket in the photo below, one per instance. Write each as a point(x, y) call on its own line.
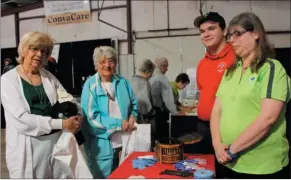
point(28, 93)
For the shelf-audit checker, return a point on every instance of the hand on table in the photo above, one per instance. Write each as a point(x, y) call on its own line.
point(181, 113)
point(188, 109)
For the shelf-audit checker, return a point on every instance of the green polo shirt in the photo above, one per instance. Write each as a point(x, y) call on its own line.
point(240, 100)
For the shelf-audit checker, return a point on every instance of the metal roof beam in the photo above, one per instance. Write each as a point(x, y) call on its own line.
point(20, 9)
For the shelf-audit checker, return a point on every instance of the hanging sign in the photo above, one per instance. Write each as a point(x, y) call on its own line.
point(66, 12)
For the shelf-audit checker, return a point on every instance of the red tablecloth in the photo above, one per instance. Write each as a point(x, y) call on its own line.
point(126, 170)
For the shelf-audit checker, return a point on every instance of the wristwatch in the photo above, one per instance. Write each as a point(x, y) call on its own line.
point(232, 155)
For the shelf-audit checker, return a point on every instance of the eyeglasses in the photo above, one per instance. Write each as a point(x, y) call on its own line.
point(235, 34)
point(109, 61)
point(36, 50)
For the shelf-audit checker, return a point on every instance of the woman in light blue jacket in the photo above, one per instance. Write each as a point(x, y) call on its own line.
point(109, 107)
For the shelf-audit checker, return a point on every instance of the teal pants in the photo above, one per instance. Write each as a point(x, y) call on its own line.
point(101, 169)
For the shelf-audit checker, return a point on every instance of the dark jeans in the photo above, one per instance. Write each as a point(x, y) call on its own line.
point(162, 125)
point(203, 128)
point(224, 172)
point(116, 158)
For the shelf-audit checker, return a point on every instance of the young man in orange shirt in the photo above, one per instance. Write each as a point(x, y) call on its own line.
point(218, 57)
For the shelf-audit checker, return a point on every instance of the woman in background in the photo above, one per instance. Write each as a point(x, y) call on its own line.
point(142, 89)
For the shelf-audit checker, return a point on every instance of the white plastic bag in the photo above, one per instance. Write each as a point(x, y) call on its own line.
point(68, 156)
point(138, 140)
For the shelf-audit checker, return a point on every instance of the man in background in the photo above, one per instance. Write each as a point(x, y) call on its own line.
point(218, 57)
point(7, 65)
point(162, 96)
point(52, 66)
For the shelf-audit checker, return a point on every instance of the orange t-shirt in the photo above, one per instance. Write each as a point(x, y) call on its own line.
point(209, 74)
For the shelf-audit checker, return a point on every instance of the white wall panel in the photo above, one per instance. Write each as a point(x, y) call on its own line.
point(228, 9)
point(160, 15)
point(126, 66)
point(26, 26)
point(183, 13)
point(275, 15)
point(31, 13)
point(280, 40)
point(116, 17)
point(142, 15)
point(8, 32)
point(106, 3)
point(192, 52)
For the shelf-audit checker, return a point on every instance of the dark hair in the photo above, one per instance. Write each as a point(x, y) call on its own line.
point(8, 60)
point(251, 22)
point(183, 78)
point(210, 16)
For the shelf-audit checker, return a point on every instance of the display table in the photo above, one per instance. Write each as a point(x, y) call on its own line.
point(126, 169)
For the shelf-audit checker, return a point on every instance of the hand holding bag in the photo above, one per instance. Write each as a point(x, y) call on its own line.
point(68, 157)
point(138, 140)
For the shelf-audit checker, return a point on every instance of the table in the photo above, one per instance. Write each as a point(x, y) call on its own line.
point(126, 170)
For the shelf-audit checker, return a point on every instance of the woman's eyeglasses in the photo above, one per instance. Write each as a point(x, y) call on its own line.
point(235, 34)
point(36, 50)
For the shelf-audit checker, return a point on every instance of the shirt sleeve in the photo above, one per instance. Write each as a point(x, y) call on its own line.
point(275, 83)
point(21, 118)
point(168, 97)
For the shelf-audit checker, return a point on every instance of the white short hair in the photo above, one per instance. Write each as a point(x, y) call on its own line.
point(160, 61)
point(37, 39)
point(105, 51)
point(146, 66)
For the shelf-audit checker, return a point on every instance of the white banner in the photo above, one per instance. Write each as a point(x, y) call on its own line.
point(65, 12)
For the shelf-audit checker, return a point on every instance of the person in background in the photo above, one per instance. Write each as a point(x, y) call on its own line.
point(142, 90)
point(7, 65)
point(28, 94)
point(218, 57)
point(109, 107)
point(52, 66)
point(248, 122)
point(182, 80)
point(162, 96)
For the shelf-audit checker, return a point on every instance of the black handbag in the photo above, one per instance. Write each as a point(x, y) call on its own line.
point(65, 110)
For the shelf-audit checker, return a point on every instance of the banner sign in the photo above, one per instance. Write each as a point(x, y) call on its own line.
point(66, 12)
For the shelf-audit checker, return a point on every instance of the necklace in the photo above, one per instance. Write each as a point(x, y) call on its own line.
point(39, 94)
point(107, 93)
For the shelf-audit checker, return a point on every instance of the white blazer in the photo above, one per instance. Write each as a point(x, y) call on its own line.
point(21, 125)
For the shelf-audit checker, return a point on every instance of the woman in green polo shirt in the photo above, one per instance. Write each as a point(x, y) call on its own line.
point(248, 123)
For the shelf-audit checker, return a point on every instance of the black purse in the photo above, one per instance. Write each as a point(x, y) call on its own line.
point(65, 110)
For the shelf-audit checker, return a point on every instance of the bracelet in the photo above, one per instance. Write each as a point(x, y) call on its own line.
point(233, 156)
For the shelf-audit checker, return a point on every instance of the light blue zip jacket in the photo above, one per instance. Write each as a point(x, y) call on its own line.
point(98, 126)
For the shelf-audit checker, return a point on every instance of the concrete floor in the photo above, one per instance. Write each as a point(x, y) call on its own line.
point(4, 171)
